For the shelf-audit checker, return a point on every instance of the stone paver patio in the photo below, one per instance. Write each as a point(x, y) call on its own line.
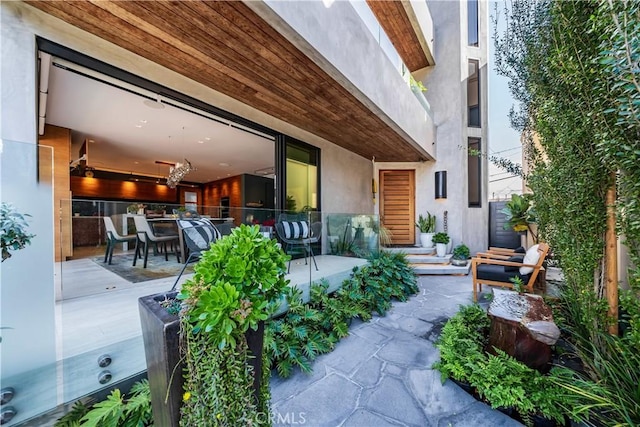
point(380, 375)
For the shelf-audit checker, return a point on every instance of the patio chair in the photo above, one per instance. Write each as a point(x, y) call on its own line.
point(297, 235)
point(489, 270)
point(113, 238)
point(146, 236)
point(197, 236)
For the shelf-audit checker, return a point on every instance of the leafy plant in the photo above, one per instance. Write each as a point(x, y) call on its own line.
point(234, 284)
point(461, 252)
point(426, 224)
point(518, 284)
point(498, 378)
point(518, 213)
point(116, 410)
point(13, 230)
point(308, 330)
point(441, 238)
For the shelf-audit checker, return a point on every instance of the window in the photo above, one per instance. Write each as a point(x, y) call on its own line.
point(474, 174)
point(473, 93)
point(302, 186)
point(472, 22)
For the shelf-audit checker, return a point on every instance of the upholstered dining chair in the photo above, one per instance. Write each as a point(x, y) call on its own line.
point(113, 238)
point(146, 237)
point(197, 236)
point(296, 234)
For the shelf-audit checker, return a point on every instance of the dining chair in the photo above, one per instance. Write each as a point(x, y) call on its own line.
point(113, 238)
point(296, 234)
point(197, 236)
point(146, 236)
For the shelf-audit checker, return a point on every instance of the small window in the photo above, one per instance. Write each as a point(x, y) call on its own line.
point(473, 93)
point(474, 174)
point(472, 22)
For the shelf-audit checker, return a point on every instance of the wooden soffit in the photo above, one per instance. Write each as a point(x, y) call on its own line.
point(229, 48)
point(395, 19)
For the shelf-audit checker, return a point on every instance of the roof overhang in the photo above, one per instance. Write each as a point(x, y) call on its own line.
point(228, 47)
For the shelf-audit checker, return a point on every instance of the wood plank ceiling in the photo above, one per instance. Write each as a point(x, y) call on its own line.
point(229, 48)
point(395, 21)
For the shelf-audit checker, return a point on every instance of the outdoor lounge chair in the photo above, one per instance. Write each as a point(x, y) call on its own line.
point(197, 236)
point(113, 238)
point(146, 236)
point(296, 234)
point(498, 268)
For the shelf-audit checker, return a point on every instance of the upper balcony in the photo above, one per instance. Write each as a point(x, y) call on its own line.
point(313, 67)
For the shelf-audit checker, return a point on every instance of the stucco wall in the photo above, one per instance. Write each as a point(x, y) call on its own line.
point(26, 279)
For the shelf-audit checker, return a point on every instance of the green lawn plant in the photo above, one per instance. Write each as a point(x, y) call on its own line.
point(573, 72)
point(234, 284)
point(310, 329)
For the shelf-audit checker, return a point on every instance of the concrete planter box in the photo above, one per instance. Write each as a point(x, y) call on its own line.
point(161, 336)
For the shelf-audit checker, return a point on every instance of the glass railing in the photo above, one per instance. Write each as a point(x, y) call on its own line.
point(29, 347)
point(94, 328)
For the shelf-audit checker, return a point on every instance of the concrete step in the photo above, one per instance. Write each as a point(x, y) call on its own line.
point(411, 250)
point(429, 259)
point(425, 269)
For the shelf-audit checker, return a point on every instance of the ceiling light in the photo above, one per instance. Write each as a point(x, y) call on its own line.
point(178, 172)
point(223, 164)
point(207, 138)
point(138, 126)
point(143, 121)
point(200, 142)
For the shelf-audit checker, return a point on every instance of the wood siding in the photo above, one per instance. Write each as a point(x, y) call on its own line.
point(59, 139)
point(393, 18)
point(122, 190)
point(228, 47)
point(397, 205)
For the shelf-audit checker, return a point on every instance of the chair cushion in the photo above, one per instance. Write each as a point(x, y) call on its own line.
point(520, 250)
point(295, 229)
point(531, 257)
point(512, 268)
point(497, 273)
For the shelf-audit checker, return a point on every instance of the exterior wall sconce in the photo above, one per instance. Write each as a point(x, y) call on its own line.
point(441, 184)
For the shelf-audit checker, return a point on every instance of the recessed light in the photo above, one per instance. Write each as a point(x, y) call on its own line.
point(223, 164)
point(138, 126)
point(207, 138)
point(136, 163)
point(200, 142)
point(143, 121)
point(91, 140)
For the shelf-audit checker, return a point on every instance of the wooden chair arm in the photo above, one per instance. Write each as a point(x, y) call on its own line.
point(492, 255)
point(504, 251)
point(492, 261)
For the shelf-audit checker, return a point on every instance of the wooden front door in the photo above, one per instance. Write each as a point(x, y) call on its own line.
point(397, 205)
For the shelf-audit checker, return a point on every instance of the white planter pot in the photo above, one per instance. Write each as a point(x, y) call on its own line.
point(426, 240)
point(441, 249)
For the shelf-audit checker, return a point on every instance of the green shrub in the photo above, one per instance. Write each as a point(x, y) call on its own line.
point(308, 330)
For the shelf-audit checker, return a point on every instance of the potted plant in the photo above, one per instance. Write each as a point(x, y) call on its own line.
point(13, 230)
point(519, 214)
point(221, 326)
point(441, 239)
point(427, 226)
point(460, 255)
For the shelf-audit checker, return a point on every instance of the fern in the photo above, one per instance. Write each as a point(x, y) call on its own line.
point(106, 413)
